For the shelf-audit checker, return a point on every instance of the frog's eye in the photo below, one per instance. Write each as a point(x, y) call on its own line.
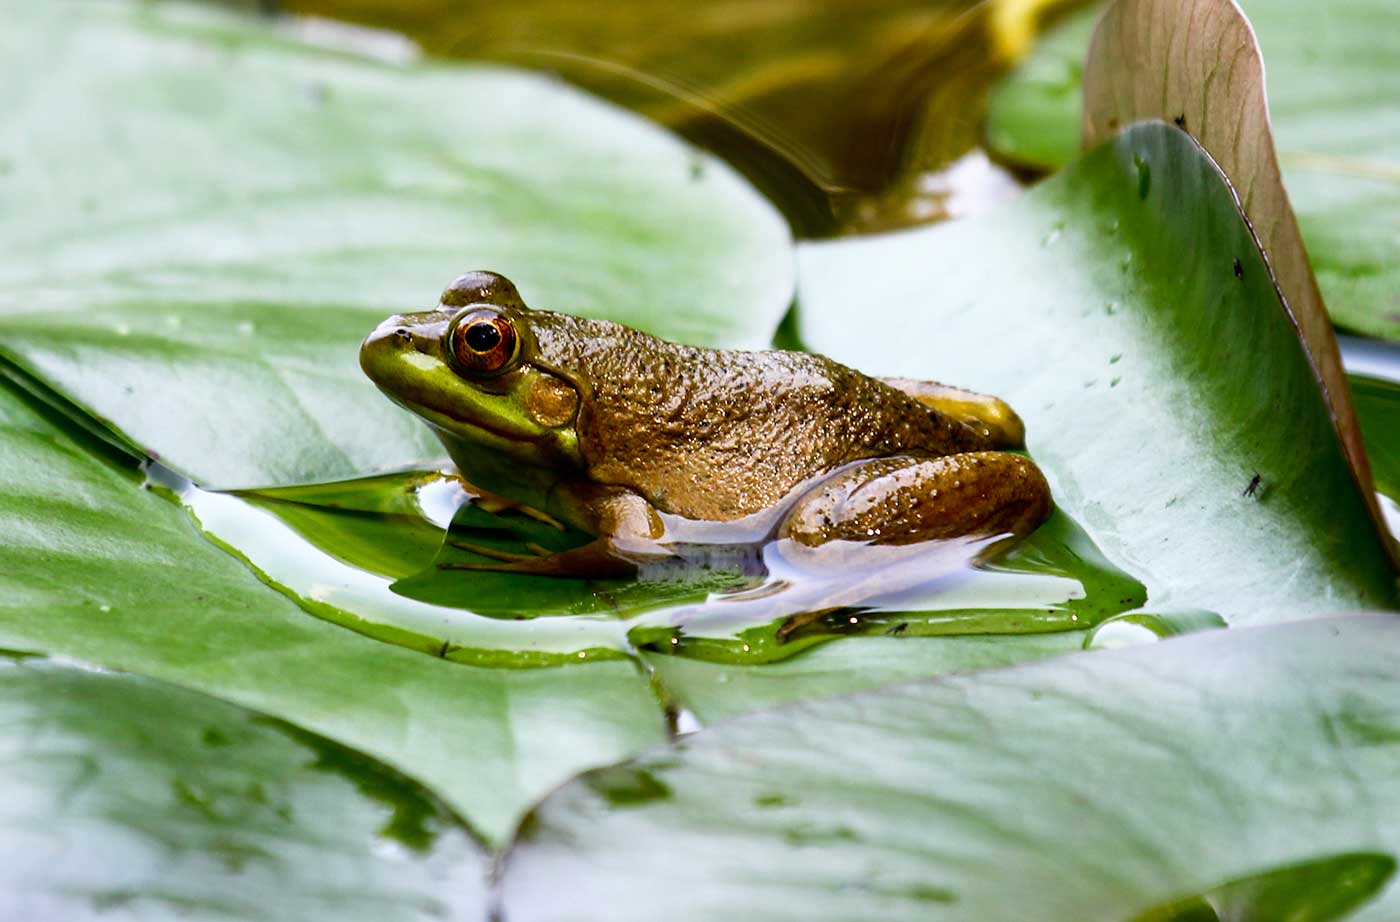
point(483, 341)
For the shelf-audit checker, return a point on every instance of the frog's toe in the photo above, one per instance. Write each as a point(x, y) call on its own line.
point(496, 553)
point(591, 561)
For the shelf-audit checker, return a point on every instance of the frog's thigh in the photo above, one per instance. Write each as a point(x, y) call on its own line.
point(619, 517)
point(906, 499)
point(991, 416)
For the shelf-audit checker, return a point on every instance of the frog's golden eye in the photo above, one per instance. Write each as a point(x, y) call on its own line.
point(483, 341)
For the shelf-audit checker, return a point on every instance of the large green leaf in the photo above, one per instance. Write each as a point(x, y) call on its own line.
point(93, 567)
point(1242, 775)
point(1333, 74)
point(202, 218)
point(128, 798)
point(1124, 310)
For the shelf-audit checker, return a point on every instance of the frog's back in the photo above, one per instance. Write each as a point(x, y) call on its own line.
point(714, 434)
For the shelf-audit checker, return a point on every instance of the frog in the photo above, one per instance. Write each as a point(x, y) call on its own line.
point(645, 444)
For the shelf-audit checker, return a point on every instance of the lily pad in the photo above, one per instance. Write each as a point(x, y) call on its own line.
point(94, 567)
point(1333, 72)
point(130, 798)
point(1141, 338)
point(203, 217)
point(1250, 771)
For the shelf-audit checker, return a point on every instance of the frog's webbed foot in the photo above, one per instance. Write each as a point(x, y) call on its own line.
point(990, 416)
point(497, 554)
point(907, 499)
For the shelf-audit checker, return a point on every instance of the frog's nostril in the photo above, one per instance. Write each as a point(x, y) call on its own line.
point(403, 334)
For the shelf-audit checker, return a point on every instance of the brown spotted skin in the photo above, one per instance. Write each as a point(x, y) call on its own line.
point(904, 500)
point(605, 427)
point(714, 434)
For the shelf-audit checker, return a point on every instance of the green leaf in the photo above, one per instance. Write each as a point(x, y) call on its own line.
point(1255, 772)
point(1378, 409)
point(1033, 114)
point(1333, 73)
point(126, 797)
point(93, 567)
point(202, 218)
point(1140, 337)
point(1321, 890)
point(717, 691)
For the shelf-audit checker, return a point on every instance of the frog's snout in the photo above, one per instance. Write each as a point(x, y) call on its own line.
point(384, 342)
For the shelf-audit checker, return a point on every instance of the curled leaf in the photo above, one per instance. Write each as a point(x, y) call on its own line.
point(1196, 64)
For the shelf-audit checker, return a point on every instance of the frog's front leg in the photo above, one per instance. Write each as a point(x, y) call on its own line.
point(907, 499)
point(628, 533)
point(991, 416)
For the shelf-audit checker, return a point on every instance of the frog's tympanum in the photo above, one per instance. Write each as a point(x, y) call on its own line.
point(646, 444)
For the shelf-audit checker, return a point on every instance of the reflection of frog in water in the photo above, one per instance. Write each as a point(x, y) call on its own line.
point(635, 440)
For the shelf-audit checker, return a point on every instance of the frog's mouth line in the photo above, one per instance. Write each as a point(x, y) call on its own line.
point(455, 425)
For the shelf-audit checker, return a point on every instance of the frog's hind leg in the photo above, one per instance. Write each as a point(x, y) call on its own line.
point(907, 499)
point(990, 416)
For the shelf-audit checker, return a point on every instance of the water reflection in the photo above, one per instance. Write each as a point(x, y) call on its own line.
point(368, 555)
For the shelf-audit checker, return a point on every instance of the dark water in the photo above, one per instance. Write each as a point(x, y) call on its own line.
point(849, 116)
